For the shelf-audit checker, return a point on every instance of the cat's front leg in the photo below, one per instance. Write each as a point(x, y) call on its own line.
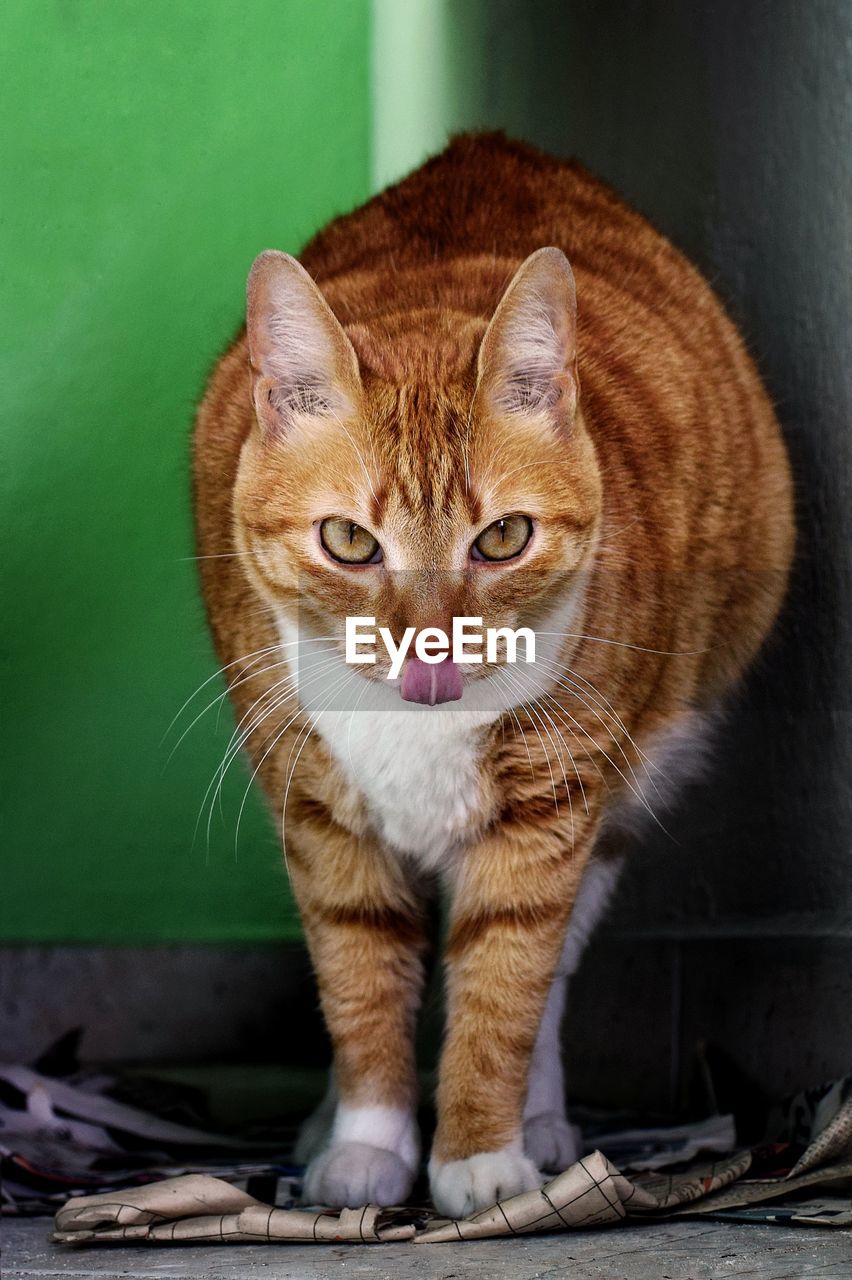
point(366, 942)
point(509, 916)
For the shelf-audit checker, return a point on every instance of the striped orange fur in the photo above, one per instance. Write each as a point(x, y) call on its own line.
point(651, 464)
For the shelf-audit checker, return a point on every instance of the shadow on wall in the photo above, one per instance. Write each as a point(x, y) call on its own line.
point(723, 123)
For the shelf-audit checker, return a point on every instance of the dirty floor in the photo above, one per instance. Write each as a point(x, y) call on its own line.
point(668, 1251)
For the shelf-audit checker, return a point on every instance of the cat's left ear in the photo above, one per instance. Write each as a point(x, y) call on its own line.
point(302, 362)
point(528, 357)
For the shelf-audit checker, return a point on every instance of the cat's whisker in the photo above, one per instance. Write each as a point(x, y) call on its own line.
point(219, 555)
point(294, 658)
point(312, 717)
point(233, 752)
point(539, 711)
point(563, 678)
point(220, 699)
point(276, 696)
point(358, 453)
point(569, 679)
point(648, 762)
point(234, 747)
point(259, 710)
point(520, 729)
point(217, 777)
point(577, 693)
point(220, 671)
point(292, 680)
point(623, 644)
point(275, 740)
point(294, 685)
point(581, 746)
point(346, 676)
point(526, 708)
point(254, 656)
point(635, 790)
point(608, 534)
point(544, 712)
point(573, 763)
point(466, 449)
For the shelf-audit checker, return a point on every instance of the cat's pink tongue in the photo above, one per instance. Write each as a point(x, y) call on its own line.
point(431, 682)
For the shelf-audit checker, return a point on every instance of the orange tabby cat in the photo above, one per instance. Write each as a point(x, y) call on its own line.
point(422, 423)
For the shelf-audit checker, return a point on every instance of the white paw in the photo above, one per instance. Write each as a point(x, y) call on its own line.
point(462, 1187)
point(552, 1142)
point(352, 1174)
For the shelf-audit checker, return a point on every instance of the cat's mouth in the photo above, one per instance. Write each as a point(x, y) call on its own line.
point(431, 682)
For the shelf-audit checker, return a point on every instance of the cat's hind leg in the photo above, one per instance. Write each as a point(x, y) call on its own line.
point(550, 1140)
point(315, 1131)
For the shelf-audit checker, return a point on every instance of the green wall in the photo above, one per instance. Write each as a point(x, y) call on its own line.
point(151, 149)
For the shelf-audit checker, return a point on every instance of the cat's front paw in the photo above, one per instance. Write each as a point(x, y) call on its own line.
point(462, 1187)
point(352, 1174)
point(552, 1142)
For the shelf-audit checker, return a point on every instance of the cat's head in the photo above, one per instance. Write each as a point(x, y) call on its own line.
point(427, 467)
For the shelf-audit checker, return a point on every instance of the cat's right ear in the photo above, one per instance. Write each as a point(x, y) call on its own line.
point(302, 363)
point(528, 357)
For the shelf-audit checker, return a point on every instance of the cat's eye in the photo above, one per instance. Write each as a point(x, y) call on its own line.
point(504, 539)
point(348, 542)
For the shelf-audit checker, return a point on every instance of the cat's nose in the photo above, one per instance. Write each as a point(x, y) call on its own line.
point(431, 682)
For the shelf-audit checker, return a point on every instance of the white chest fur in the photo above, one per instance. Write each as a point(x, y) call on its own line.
point(418, 770)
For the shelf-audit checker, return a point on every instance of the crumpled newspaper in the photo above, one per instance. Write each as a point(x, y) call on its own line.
point(592, 1192)
point(62, 1137)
